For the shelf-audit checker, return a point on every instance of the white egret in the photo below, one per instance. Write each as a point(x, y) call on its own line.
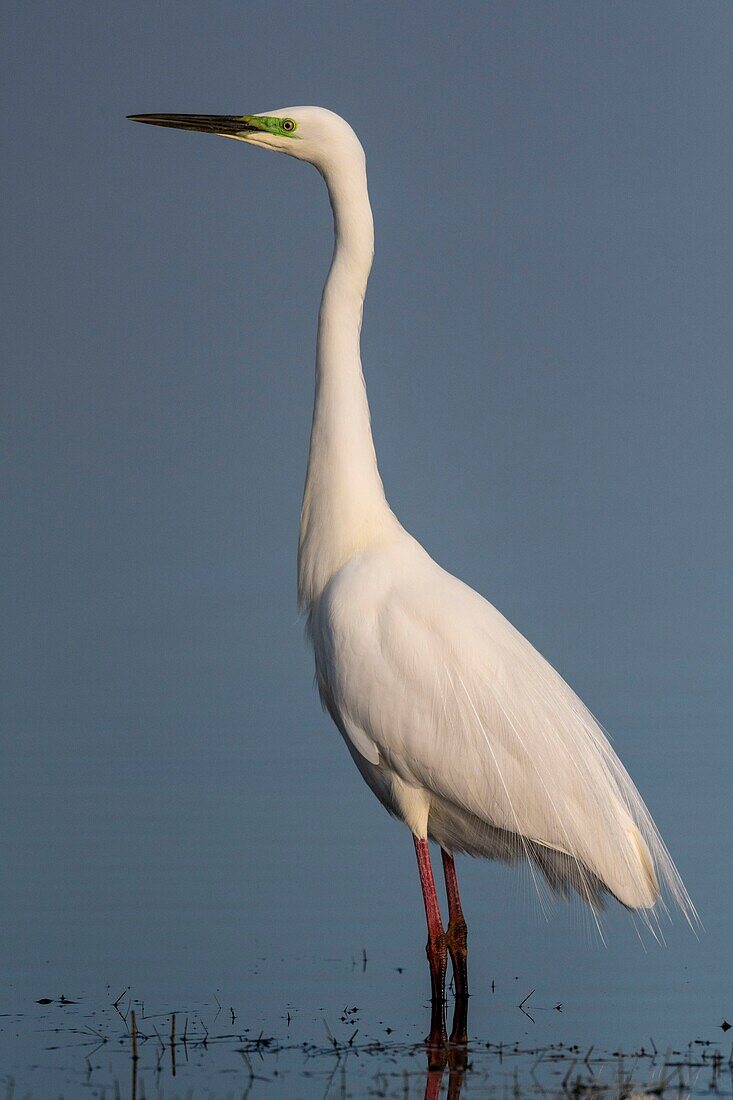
point(462, 730)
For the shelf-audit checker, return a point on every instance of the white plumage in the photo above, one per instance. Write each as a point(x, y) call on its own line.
point(468, 735)
point(457, 724)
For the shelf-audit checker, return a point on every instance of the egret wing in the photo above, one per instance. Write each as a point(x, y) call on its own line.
point(455, 701)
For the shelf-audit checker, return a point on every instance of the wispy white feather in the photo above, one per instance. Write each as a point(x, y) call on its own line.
point(458, 725)
point(457, 703)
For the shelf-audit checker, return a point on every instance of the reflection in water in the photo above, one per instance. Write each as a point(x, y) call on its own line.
point(441, 1054)
point(134, 1056)
point(173, 1044)
point(211, 1050)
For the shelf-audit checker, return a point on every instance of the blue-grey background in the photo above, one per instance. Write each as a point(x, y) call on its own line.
point(548, 344)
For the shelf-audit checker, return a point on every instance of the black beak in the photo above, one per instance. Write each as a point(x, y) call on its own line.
point(227, 125)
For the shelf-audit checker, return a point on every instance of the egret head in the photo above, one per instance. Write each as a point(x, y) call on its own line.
point(313, 134)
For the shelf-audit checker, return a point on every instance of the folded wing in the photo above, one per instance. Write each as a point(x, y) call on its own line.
point(429, 680)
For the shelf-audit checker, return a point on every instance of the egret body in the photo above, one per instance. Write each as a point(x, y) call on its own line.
point(459, 726)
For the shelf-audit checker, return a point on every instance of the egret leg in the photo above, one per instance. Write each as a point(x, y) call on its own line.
point(456, 940)
point(436, 946)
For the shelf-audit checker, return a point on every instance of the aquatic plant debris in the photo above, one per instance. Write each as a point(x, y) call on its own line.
point(140, 1052)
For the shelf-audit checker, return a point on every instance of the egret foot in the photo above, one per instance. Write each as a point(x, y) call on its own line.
point(453, 1057)
point(436, 1043)
point(437, 952)
point(459, 1032)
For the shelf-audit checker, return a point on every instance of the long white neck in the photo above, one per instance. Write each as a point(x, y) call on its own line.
point(344, 507)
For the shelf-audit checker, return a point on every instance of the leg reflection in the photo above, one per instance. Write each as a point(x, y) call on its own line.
point(452, 1055)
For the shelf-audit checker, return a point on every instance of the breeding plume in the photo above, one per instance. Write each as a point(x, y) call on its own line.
point(462, 730)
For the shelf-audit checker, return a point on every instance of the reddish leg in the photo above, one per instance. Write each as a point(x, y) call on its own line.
point(456, 936)
point(436, 945)
point(433, 1083)
point(456, 1060)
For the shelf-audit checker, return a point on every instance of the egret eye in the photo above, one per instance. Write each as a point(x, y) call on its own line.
point(288, 125)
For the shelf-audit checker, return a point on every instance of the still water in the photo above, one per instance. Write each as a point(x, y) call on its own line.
point(314, 1045)
point(548, 347)
point(264, 900)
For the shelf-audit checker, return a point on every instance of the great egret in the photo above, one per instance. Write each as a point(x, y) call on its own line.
point(462, 730)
